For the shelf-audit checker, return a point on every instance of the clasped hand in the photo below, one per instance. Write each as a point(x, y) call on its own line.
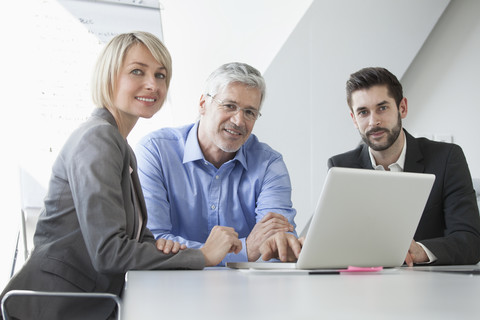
point(222, 240)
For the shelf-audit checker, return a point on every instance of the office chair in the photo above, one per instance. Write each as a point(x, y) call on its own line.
point(32, 192)
point(98, 295)
point(29, 217)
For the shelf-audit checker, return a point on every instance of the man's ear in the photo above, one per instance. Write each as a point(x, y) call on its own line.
point(403, 108)
point(202, 105)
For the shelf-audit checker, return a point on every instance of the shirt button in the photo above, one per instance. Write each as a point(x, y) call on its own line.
point(213, 207)
point(217, 177)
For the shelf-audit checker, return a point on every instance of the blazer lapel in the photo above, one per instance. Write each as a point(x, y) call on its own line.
point(414, 156)
point(365, 161)
point(138, 190)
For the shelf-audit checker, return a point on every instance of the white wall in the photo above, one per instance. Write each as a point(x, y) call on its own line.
point(15, 89)
point(442, 84)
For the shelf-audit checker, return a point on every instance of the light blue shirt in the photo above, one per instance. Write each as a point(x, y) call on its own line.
point(187, 196)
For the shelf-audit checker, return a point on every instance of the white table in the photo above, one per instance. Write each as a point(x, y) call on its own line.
point(221, 293)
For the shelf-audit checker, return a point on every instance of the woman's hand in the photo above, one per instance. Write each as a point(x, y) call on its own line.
point(169, 246)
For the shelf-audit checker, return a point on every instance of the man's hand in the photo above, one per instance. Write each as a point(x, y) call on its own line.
point(415, 254)
point(270, 224)
point(222, 240)
point(169, 246)
point(283, 246)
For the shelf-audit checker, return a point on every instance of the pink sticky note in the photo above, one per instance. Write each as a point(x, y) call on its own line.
point(361, 269)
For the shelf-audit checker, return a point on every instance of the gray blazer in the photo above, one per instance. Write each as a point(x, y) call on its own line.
point(85, 239)
point(450, 223)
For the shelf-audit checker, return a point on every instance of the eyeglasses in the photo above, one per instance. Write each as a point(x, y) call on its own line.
point(231, 108)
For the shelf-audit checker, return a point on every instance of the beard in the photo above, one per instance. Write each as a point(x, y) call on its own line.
point(392, 136)
point(231, 146)
point(228, 148)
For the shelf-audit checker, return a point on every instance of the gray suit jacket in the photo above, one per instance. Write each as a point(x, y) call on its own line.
point(450, 223)
point(85, 239)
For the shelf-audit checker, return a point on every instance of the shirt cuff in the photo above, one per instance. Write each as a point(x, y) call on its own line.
point(430, 255)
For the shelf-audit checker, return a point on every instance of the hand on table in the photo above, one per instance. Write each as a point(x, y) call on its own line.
point(169, 246)
point(283, 246)
point(222, 240)
point(415, 254)
point(270, 224)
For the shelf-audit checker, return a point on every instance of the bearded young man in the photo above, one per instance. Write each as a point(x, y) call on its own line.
point(449, 230)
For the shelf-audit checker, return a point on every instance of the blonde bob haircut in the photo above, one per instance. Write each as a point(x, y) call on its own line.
point(111, 59)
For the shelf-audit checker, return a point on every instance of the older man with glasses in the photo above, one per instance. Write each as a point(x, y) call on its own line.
point(216, 172)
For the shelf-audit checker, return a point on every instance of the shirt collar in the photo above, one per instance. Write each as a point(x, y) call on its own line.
point(193, 151)
point(192, 148)
point(396, 166)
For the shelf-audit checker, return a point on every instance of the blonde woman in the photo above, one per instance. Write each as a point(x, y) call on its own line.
point(92, 229)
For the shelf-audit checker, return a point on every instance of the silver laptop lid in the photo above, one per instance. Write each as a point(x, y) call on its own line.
point(365, 218)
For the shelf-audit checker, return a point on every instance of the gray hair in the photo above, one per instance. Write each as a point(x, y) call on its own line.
point(234, 72)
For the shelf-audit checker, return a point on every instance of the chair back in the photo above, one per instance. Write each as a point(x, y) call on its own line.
point(97, 295)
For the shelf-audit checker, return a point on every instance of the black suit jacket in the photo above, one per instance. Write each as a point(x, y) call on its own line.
point(450, 223)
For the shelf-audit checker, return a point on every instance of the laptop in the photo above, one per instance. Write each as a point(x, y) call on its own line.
point(363, 218)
